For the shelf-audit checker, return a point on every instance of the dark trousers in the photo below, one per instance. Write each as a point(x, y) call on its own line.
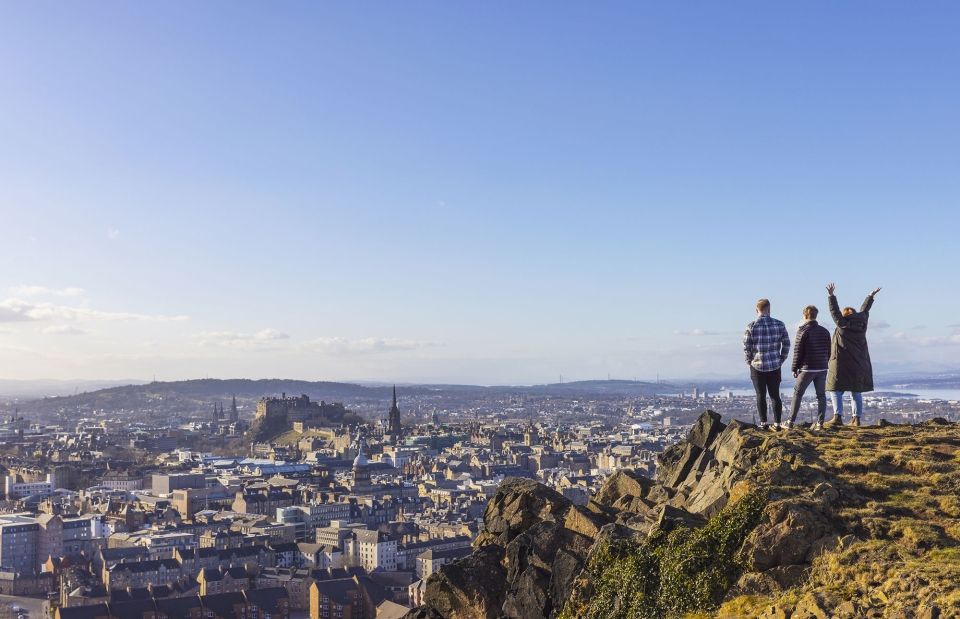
point(764, 383)
point(819, 380)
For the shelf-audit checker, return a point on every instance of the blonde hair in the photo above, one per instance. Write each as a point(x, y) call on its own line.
point(848, 310)
point(763, 306)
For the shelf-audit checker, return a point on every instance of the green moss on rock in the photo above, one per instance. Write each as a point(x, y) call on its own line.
point(670, 574)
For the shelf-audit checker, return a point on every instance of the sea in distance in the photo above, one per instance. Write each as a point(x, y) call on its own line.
point(918, 394)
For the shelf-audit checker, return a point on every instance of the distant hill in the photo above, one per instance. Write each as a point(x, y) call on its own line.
point(191, 395)
point(188, 395)
point(31, 389)
point(601, 387)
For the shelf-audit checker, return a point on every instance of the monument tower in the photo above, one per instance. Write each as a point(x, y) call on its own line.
point(394, 429)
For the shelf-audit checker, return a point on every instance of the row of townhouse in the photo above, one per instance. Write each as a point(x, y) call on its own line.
point(186, 564)
point(248, 604)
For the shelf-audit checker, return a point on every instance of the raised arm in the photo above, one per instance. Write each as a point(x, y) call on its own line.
point(749, 348)
point(835, 310)
point(868, 302)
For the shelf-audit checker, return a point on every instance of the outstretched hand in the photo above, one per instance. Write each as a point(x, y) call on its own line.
point(874, 293)
point(831, 287)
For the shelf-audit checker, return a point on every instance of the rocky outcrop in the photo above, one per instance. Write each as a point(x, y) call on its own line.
point(738, 521)
point(533, 545)
point(471, 588)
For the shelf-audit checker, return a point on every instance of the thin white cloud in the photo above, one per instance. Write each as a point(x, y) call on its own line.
point(44, 291)
point(16, 310)
point(880, 324)
point(9, 314)
point(112, 233)
point(63, 330)
point(265, 339)
point(696, 332)
point(342, 345)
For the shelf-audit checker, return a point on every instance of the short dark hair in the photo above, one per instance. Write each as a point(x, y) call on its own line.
point(763, 305)
point(810, 312)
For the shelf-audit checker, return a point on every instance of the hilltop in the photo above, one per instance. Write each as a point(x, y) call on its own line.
point(739, 522)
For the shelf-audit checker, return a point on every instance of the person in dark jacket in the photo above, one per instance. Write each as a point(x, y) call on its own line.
point(850, 368)
point(811, 353)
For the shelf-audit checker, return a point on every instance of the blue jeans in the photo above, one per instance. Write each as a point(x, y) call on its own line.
point(836, 397)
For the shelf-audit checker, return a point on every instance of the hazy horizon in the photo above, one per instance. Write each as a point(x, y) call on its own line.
point(884, 378)
point(443, 193)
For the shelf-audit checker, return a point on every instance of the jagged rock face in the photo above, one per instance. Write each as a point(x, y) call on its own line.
point(471, 588)
point(623, 484)
point(534, 544)
point(534, 557)
point(787, 536)
point(518, 505)
point(706, 429)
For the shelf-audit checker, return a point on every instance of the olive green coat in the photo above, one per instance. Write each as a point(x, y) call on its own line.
point(850, 368)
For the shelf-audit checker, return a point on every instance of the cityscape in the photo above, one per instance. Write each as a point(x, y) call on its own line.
point(117, 511)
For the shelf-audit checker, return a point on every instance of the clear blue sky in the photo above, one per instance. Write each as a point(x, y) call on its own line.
point(474, 192)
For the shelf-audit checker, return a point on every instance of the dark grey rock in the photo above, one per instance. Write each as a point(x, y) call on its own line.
point(787, 536)
point(675, 463)
point(731, 447)
point(470, 588)
point(670, 518)
point(519, 504)
point(706, 429)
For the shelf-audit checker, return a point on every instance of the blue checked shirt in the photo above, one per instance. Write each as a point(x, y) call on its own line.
point(766, 344)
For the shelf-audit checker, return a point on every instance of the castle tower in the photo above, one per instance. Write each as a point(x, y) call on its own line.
point(234, 413)
point(394, 429)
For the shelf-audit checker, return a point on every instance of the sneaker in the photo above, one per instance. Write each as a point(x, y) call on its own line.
point(787, 425)
point(764, 426)
point(855, 422)
point(836, 422)
point(818, 426)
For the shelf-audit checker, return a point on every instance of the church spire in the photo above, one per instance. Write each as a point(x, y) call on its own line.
point(393, 420)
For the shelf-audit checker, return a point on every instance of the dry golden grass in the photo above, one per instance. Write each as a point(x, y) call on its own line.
point(900, 495)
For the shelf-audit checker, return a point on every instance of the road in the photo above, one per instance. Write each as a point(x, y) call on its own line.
point(35, 607)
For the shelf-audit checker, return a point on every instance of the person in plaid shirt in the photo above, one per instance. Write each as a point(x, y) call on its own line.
point(766, 347)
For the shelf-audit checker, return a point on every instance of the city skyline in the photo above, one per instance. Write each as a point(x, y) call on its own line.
point(448, 194)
